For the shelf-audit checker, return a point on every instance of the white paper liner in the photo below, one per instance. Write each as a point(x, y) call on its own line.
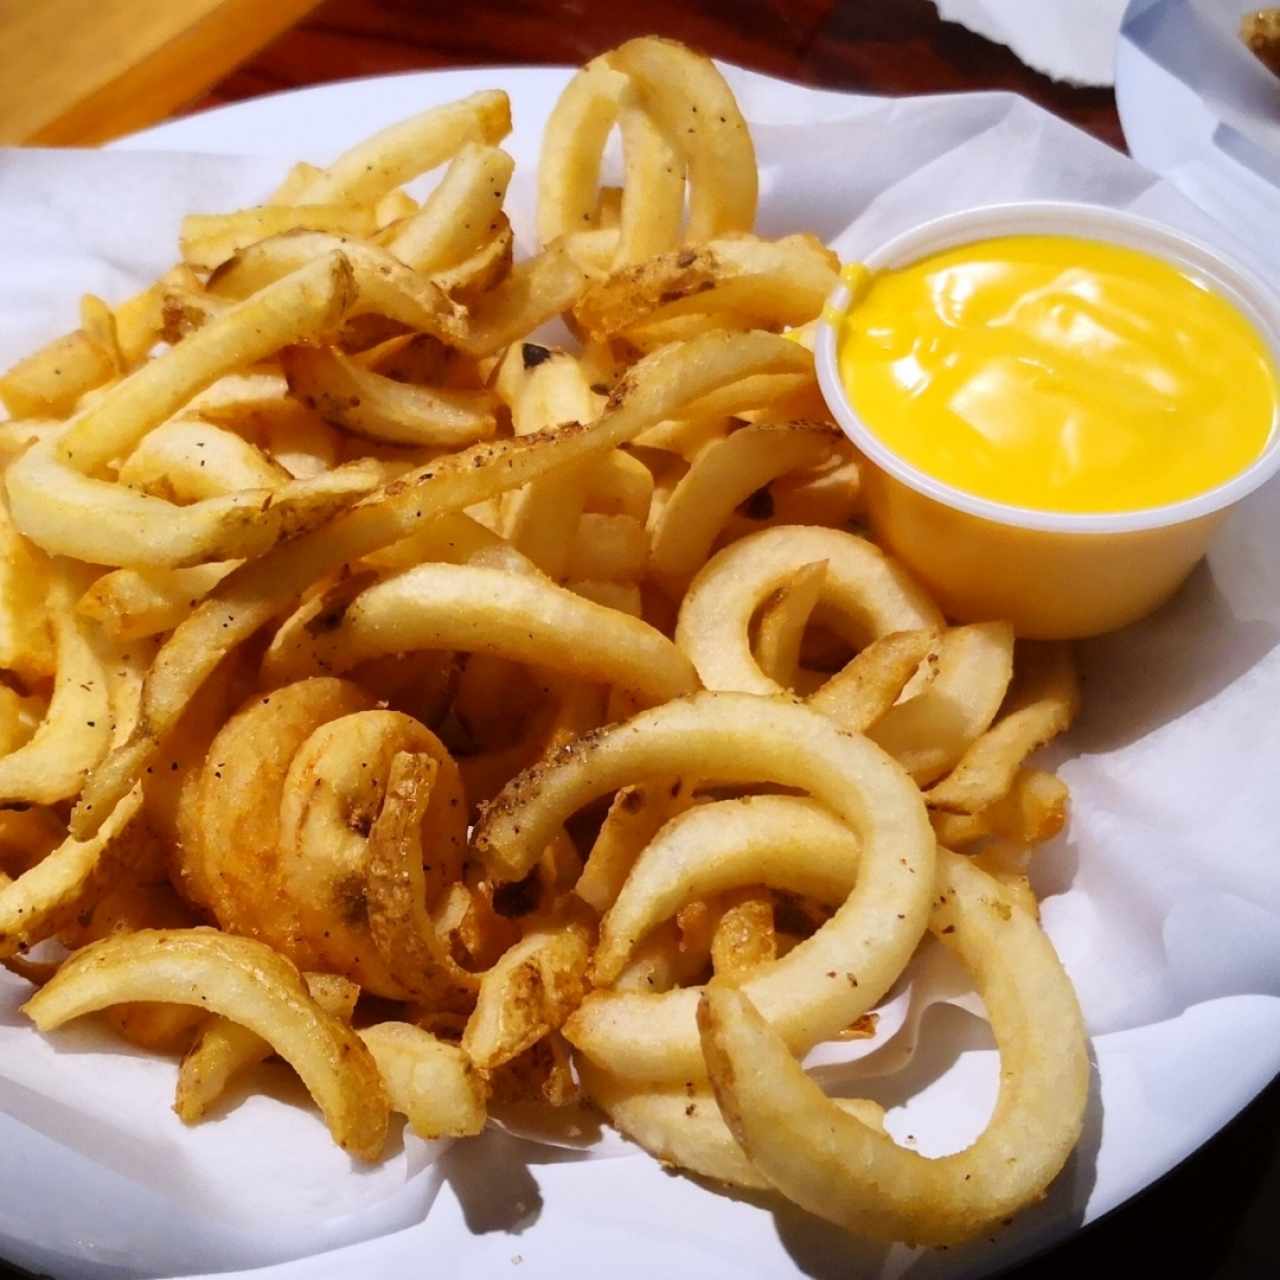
point(1164, 893)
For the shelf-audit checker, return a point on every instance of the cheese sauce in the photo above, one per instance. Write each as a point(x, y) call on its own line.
point(1057, 373)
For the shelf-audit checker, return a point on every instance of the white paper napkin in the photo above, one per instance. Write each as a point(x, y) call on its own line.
point(1071, 40)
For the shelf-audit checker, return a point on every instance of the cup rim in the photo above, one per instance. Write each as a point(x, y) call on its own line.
point(1259, 303)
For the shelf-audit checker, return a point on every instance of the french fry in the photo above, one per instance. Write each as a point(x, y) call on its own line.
point(723, 475)
point(572, 143)
point(530, 992)
point(672, 83)
point(76, 730)
point(441, 606)
point(25, 638)
point(226, 1048)
point(611, 548)
point(37, 903)
point(740, 283)
point(185, 461)
point(49, 383)
point(243, 980)
point(740, 738)
point(208, 240)
point(389, 159)
point(431, 1082)
point(132, 603)
point(1042, 705)
point(652, 193)
point(1033, 810)
point(782, 623)
point(839, 1168)
point(460, 215)
point(359, 400)
point(869, 594)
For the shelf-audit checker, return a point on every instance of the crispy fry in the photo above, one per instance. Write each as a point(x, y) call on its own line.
point(398, 891)
point(723, 475)
point(226, 1048)
point(672, 84)
point(50, 381)
point(433, 1083)
point(367, 403)
point(739, 283)
point(76, 730)
point(652, 192)
point(1032, 811)
point(634, 818)
point(132, 603)
point(931, 730)
point(331, 797)
point(234, 867)
point(439, 606)
point(185, 460)
point(460, 215)
point(535, 290)
point(40, 901)
point(68, 513)
point(295, 182)
point(547, 389)
point(782, 624)
point(682, 1126)
point(531, 991)
point(245, 981)
point(863, 691)
point(572, 142)
point(400, 152)
point(740, 738)
point(870, 596)
point(723, 846)
point(25, 640)
point(208, 240)
point(840, 1169)
point(124, 908)
point(310, 301)
point(1042, 705)
point(99, 322)
point(744, 937)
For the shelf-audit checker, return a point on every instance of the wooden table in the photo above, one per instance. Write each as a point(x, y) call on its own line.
point(875, 46)
point(78, 72)
point(1211, 1218)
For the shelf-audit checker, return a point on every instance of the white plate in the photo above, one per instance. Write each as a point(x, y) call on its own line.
point(505, 1204)
point(1200, 109)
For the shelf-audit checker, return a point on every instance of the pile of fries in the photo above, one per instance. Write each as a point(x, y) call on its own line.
point(472, 720)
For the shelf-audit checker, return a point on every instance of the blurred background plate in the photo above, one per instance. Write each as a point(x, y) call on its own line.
point(1204, 113)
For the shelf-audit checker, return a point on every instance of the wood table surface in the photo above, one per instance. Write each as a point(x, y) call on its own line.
point(1212, 1217)
point(77, 72)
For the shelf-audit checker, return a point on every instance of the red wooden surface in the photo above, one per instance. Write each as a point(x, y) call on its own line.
point(875, 46)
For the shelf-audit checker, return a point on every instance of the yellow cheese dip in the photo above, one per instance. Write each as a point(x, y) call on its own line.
point(1057, 373)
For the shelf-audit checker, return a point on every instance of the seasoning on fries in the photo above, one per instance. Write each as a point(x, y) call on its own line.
point(476, 722)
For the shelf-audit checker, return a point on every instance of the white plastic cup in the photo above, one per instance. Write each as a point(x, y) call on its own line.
point(1055, 575)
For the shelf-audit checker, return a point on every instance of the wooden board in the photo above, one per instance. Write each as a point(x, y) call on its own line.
point(77, 72)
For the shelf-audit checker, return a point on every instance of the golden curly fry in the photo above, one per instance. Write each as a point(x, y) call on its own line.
point(842, 1170)
point(243, 980)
